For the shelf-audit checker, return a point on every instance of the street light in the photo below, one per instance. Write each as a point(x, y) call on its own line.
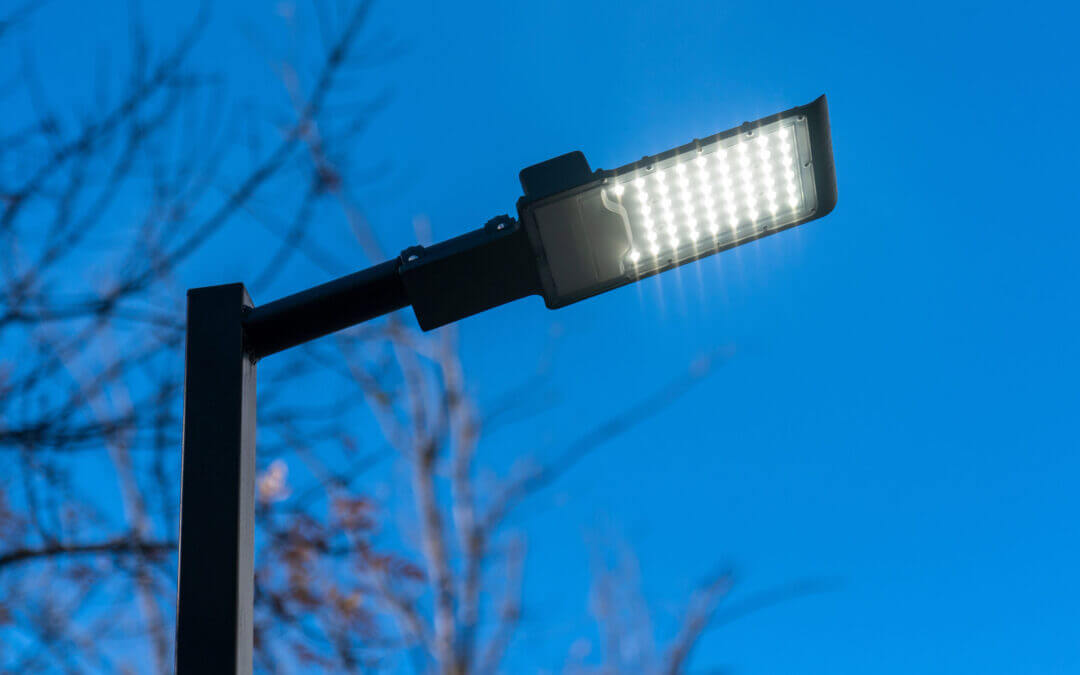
point(579, 233)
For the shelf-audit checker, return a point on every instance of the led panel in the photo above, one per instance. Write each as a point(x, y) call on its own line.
point(715, 195)
point(618, 226)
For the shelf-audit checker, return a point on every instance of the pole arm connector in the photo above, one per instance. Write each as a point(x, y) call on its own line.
point(469, 274)
point(444, 282)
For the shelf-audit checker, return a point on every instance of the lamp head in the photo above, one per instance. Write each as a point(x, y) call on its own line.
point(593, 231)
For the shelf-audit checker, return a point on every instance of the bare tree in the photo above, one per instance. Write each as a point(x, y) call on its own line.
point(99, 213)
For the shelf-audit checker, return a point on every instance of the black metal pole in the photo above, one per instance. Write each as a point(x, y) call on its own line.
point(225, 336)
point(217, 498)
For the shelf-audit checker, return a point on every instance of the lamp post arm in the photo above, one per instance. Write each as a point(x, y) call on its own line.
point(443, 283)
point(324, 309)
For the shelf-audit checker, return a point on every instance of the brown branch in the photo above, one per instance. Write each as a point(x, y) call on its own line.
point(120, 546)
point(423, 456)
point(770, 598)
point(404, 611)
point(472, 542)
point(701, 609)
point(509, 614)
point(20, 14)
point(434, 548)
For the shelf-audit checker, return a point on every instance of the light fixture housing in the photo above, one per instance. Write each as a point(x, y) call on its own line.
point(595, 231)
point(582, 232)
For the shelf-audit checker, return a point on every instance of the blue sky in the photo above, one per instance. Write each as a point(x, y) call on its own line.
point(900, 410)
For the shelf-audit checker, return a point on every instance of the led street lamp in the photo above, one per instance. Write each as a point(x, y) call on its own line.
point(583, 232)
point(579, 233)
point(678, 206)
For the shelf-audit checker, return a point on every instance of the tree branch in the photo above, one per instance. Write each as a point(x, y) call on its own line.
point(120, 546)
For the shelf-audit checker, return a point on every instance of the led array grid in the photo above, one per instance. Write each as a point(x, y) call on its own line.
point(707, 198)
